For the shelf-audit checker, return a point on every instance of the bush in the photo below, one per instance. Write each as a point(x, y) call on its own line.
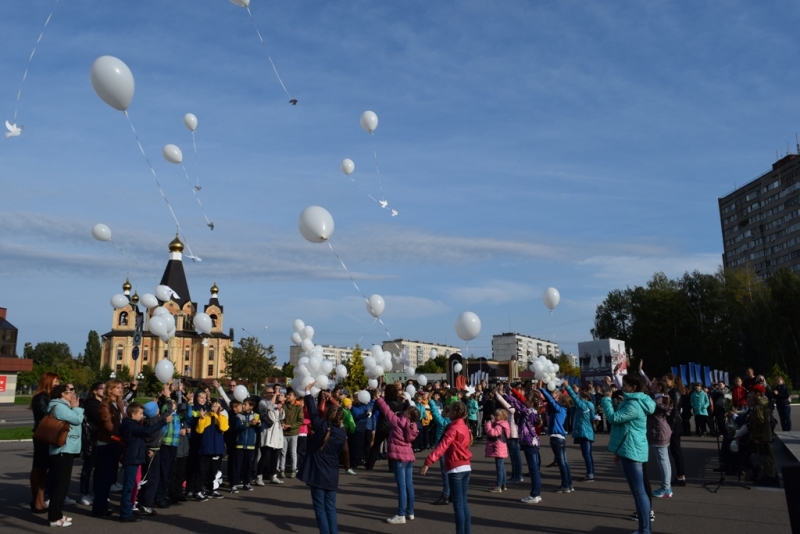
point(775, 373)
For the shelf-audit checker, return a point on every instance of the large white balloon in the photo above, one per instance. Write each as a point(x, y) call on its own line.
point(119, 301)
point(190, 121)
point(149, 301)
point(315, 391)
point(170, 320)
point(307, 380)
point(468, 326)
point(375, 305)
point(112, 80)
point(303, 360)
point(314, 363)
point(315, 224)
point(172, 154)
point(341, 371)
point(240, 393)
point(307, 344)
point(323, 382)
point(373, 383)
point(241, 3)
point(457, 368)
point(369, 362)
point(551, 386)
point(551, 297)
point(101, 232)
point(378, 370)
point(376, 351)
point(158, 326)
point(164, 293)
point(203, 323)
point(325, 367)
point(296, 339)
point(164, 371)
point(159, 311)
point(302, 371)
point(434, 353)
point(423, 380)
point(298, 325)
point(411, 390)
point(364, 397)
point(307, 332)
point(348, 166)
point(369, 121)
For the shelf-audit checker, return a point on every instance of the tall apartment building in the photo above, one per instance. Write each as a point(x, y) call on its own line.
point(511, 346)
point(337, 354)
point(761, 220)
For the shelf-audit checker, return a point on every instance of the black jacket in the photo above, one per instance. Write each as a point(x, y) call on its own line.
point(133, 434)
point(784, 396)
point(674, 417)
point(39, 406)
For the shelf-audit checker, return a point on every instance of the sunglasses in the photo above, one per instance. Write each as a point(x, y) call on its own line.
point(70, 389)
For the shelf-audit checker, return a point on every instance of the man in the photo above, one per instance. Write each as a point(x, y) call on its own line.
point(760, 430)
point(749, 379)
point(231, 388)
point(718, 401)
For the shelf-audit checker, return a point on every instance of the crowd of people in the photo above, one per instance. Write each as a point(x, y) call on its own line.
point(170, 450)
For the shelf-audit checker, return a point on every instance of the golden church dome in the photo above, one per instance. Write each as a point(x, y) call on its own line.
point(175, 245)
point(214, 289)
point(135, 298)
point(127, 285)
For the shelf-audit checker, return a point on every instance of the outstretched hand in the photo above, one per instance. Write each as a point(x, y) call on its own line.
point(311, 385)
point(423, 470)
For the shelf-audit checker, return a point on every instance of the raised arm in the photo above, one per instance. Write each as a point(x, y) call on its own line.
point(386, 411)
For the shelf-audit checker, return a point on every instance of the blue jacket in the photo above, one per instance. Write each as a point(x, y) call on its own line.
point(583, 418)
point(700, 402)
point(556, 415)
point(472, 409)
point(360, 416)
point(629, 425)
point(246, 434)
point(74, 416)
point(211, 429)
point(439, 420)
point(320, 466)
point(133, 434)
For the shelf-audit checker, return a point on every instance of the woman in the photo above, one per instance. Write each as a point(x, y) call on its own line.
point(90, 407)
point(383, 428)
point(582, 430)
point(41, 451)
point(64, 407)
point(454, 446)
point(675, 393)
point(320, 466)
point(399, 452)
point(783, 402)
point(109, 415)
point(659, 433)
point(628, 440)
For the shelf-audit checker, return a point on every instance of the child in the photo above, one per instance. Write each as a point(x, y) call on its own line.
point(738, 394)
point(271, 439)
point(582, 430)
point(247, 424)
point(472, 414)
point(497, 432)
point(528, 423)
point(234, 409)
point(210, 427)
point(292, 421)
point(151, 469)
point(440, 422)
point(700, 406)
point(133, 435)
point(398, 449)
point(557, 405)
point(178, 475)
point(358, 443)
point(659, 432)
point(171, 436)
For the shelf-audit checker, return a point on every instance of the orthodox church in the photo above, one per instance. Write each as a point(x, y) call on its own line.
point(195, 356)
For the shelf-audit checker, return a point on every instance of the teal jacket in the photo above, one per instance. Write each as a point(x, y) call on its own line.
point(629, 425)
point(472, 409)
point(583, 417)
point(439, 420)
point(700, 402)
point(73, 416)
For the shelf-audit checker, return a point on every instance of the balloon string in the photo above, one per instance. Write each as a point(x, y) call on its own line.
point(356, 286)
point(208, 223)
point(363, 190)
point(152, 170)
point(368, 329)
point(267, 51)
point(196, 165)
point(25, 74)
point(377, 168)
point(134, 260)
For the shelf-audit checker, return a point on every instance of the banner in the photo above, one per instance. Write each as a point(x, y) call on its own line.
point(726, 379)
point(692, 378)
point(698, 372)
point(684, 376)
point(707, 375)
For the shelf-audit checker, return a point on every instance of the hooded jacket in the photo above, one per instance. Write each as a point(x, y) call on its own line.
point(700, 402)
point(583, 417)
point(133, 435)
point(454, 446)
point(629, 425)
point(659, 430)
point(320, 465)
point(498, 433)
point(74, 416)
point(401, 436)
point(440, 421)
point(272, 436)
point(759, 423)
point(527, 420)
point(246, 432)
point(211, 428)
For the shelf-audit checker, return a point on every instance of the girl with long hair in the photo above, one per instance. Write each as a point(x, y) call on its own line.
point(41, 450)
point(675, 392)
point(399, 452)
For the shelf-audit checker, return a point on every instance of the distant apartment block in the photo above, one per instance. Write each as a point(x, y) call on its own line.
point(337, 354)
point(761, 220)
point(518, 347)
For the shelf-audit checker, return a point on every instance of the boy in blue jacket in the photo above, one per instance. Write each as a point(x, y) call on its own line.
point(247, 427)
point(133, 434)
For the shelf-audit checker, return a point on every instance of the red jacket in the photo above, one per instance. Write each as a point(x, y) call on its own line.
point(454, 446)
point(739, 396)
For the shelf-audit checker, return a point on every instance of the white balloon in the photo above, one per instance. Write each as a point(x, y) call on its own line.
point(149, 301)
point(241, 3)
point(112, 80)
point(378, 370)
point(388, 364)
point(551, 386)
point(364, 397)
point(325, 367)
point(172, 154)
point(369, 362)
point(341, 371)
point(164, 293)
point(164, 371)
point(369, 121)
point(555, 367)
point(307, 380)
point(423, 380)
point(203, 323)
point(101, 232)
point(411, 390)
point(468, 326)
point(307, 333)
point(190, 121)
point(158, 326)
point(303, 360)
point(314, 362)
point(170, 320)
point(551, 297)
point(376, 351)
point(369, 372)
point(307, 345)
point(322, 382)
point(410, 371)
point(348, 166)
point(315, 391)
point(315, 224)
point(457, 367)
point(434, 353)
point(301, 371)
point(375, 305)
point(119, 301)
point(165, 338)
point(299, 325)
point(297, 384)
point(240, 393)
point(296, 339)
point(159, 311)
point(373, 383)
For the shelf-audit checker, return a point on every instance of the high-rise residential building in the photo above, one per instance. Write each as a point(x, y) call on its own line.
point(519, 347)
point(419, 352)
point(337, 354)
point(761, 220)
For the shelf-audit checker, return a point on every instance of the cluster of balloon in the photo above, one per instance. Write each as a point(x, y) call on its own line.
point(315, 224)
point(164, 371)
point(545, 370)
point(378, 363)
point(312, 366)
point(468, 326)
point(551, 297)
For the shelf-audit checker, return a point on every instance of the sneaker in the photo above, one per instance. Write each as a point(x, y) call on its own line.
point(60, 523)
point(235, 489)
point(135, 507)
point(397, 520)
point(678, 482)
point(200, 496)
point(530, 499)
point(496, 489)
point(662, 493)
point(293, 474)
point(280, 474)
point(146, 510)
point(275, 480)
point(588, 479)
point(562, 489)
point(247, 487)
point(47, 503)
point(503, 487)
point(349, 472)
point(571, 489)
point(260, 480)
point(410, 517)
point(552, 464)
point(635, 516)
point(116, 488)
point(516, 480)
point(218, 495)
point(86, 500)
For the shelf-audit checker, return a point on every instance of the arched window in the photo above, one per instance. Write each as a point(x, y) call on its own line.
point(119, 352)
point(214, 321)
point(123, 319)
point(186, 353)
point(211, 354)
point(145, 354)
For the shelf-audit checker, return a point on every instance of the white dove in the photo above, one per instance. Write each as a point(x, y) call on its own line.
point(383, 203)
point(470, 390)
point(13, 130)
point(394, 213)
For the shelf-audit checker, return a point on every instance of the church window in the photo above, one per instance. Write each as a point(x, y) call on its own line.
point(119, 352)
point(211, 369)
point(186, 353)
point(211, 354)
point(145, 354)
point(119, 367)
point(214, 320)
point(166, 353)
point(186, 369)
point(123, 319)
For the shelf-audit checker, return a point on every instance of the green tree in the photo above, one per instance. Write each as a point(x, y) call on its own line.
point(250, 361)
point(92, 352)
point(105, 373)
point(50, 354)
point(287, 369)
point(356, 379)
point(124, 374)
point(434, 365)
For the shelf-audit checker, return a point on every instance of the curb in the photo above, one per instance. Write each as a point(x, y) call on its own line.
point(14, 440)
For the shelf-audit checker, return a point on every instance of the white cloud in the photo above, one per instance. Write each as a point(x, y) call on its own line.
point(494, 292)
point(630, 270)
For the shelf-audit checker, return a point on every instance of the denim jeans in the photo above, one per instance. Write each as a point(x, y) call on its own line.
point(445, 478)
point(86, 472)
point(128, 482)
point(403, 474)
point(785, 416)
point(324, 502)
point(500, 469)
point(289, 451)
point(634, 474)
point(459, 483)
point(105, 474)
point(532, 457)
point(586, 451)
point(559, 446)
point(516, 459)
point(661, 455)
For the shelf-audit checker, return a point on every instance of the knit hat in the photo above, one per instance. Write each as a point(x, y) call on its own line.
point(758, 388)
point(151, 409)
point(347, 402)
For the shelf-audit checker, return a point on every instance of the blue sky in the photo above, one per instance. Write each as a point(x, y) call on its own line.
point(526, 145)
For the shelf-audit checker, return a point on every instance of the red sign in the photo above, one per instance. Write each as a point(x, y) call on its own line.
point(2, 384)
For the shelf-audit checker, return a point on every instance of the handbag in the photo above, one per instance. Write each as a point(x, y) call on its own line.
point(51, 430)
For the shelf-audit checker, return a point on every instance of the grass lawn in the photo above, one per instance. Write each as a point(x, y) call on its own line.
point(22, 399)
point(15, 433)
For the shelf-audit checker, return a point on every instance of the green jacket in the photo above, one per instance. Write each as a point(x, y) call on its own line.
point(629, 425)
point(582, 418)
point(758, 423)
point(293, 418)
point(472, 409)
point(348, 422)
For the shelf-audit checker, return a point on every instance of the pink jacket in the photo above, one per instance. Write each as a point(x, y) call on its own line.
point(496, 446)
point(404, 432)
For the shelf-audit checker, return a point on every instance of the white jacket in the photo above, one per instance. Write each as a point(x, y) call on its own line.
point(273, 436)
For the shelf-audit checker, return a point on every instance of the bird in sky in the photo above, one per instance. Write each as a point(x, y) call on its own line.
point(394, 213)
point(211, 225)
point(198, 187)
point(13, 130)
point(293, 101)
point(383, 203)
